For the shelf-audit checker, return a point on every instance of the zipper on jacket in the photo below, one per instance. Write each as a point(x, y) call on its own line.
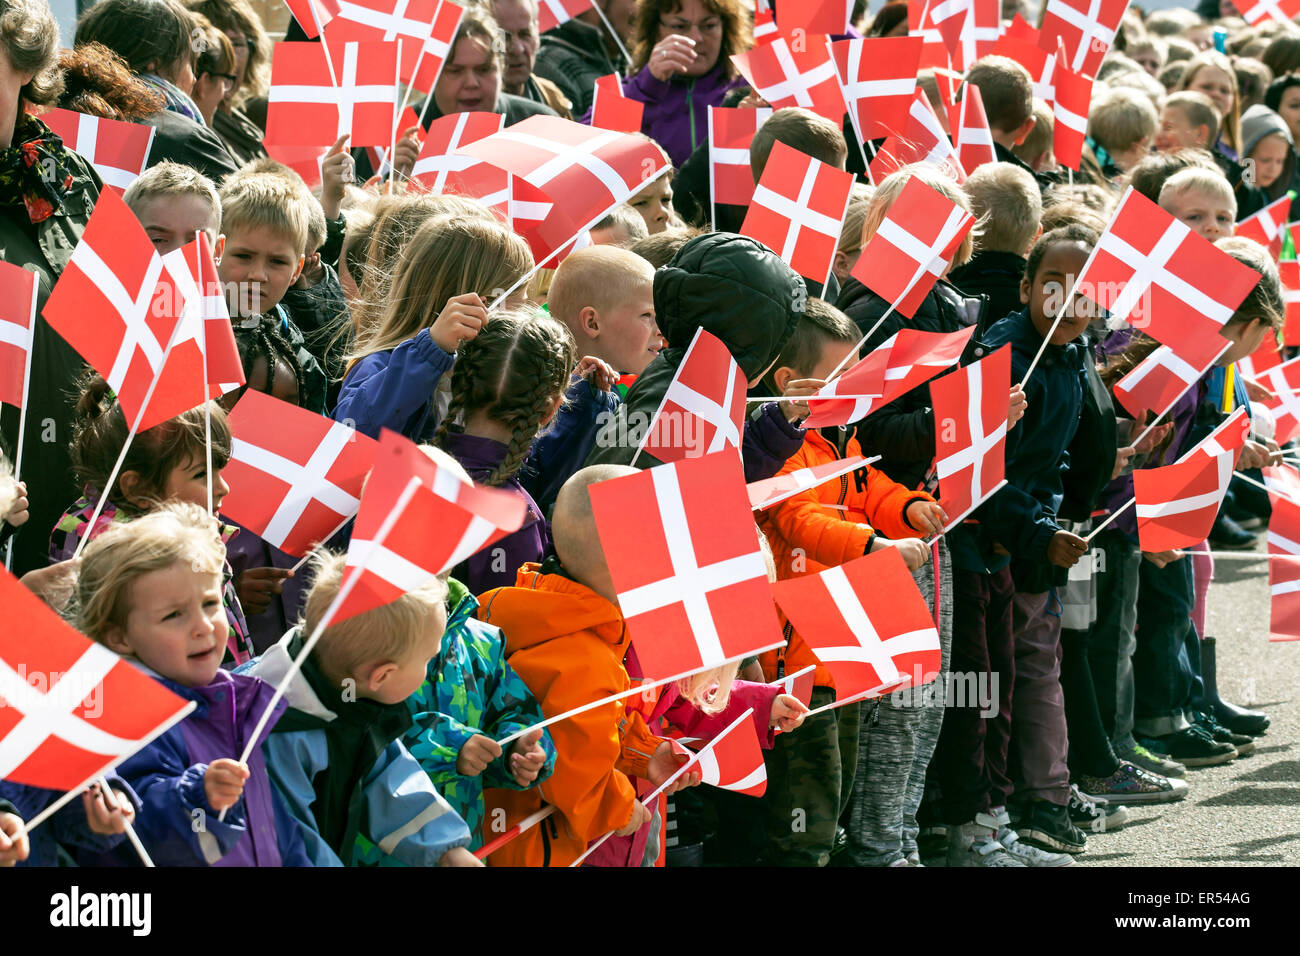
point(844, 488)
point(547, 837)
point(690, 109)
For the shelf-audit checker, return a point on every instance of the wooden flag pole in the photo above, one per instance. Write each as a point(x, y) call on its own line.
point(22, 412)
point(612, 32)
point(110, 798)
point(527, 823)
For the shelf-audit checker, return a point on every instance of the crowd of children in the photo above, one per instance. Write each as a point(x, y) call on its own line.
point(1093, 673)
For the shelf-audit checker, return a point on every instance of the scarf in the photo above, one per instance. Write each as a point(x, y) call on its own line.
point(178, 101)
point(32, 170)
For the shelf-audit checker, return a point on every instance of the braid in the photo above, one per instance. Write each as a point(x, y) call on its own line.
point(265, 341)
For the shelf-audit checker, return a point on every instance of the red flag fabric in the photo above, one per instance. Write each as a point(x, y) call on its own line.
point(684, 557)
point(468, 518)
point(117, 150)
point(764, 494)
point(1282, 481)
point(735, 760)
point(294, 476)
point(17, 322)
point(853, 395)
point(1283, 524)
point(924, 142)
point(551, 13)
point(787, 77)
point(70, 709)
point(1160, 378)
point(970, 416)
point(731, 178)
point(378, 155)
point(1289, 272)
point(1253, 11)
point(970, 127)
point(956, 32)
point(387, 21)
point(1264, 359)
point(764, 27)
point(610, 109)
point(1227, 438)
point(878, 77)
point(1040, 63)
point(437, 49)
point(439, 157)
point(913, 246)
point(305, 108)
point(798, 210)
point(1284, 382)
point(1073, 94)
point(816, 17)
point(799, 685)
point(1020, 29)
point(1266, 226)
point(1284, 598)
point(866, 622)
point(312, 15)
point(703, 410)
point(303, 160)
point(1176, 504)
point(1086, 27)
point(194, 273)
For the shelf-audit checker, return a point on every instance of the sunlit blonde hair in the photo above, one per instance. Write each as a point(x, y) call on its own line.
point(1230, 125)
point(891, 187)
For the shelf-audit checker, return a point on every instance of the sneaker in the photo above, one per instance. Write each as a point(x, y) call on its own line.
point(1030, 855)
point(1048, 825)
point(1132, 784)
point(1152, 763)
point(1242, 743)
point(906, 861)
point(915, 858)
point(1196, 748)
point(973, 844)
point(1226, 533)
point(1095, 816)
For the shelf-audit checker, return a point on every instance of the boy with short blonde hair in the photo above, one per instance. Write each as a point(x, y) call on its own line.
point(173, 202)
point(1187, 119)
point(1202, 199)
point(1122, 122)
point(1008, 94)
point(1036, 151)
point(1009, 208)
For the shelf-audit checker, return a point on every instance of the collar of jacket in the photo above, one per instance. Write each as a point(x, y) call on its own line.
point(474, 452)
point(461, 605)
point(1024, 336)
point(586, 40)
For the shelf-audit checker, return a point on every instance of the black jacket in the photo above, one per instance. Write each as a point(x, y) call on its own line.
point(573, 56)
point(181, 140)
point(241, 136)
point(995, 275)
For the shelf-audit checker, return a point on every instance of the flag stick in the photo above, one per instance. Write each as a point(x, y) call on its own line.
point(713, 198)
point(203, 341)
point(111, 799)
point(654, 794)
point(527, 823)
point(1113, 515)
point(843, 703)
point(397, 116)
point(613, 33)
point(1065, 304)
point(307, 557)
point(329, 61)
point(798, 673)
point(22, 412)
point(1259, 484)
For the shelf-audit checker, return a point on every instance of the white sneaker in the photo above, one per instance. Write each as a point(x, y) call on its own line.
point(973, 844)
point(1030, 855)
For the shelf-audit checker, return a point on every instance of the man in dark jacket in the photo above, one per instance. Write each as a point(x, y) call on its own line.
point(576, 54)
point(740, 291)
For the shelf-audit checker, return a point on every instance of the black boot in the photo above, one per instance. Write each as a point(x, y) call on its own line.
point(1237, 719)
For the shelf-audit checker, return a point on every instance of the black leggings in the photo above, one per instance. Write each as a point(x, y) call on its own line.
point(1090, 749)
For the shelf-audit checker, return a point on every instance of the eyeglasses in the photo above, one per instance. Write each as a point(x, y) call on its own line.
point(712, 25)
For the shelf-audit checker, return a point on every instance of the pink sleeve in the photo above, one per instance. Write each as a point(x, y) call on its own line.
point(744, 695)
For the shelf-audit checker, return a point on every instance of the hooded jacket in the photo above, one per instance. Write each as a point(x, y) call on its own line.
point(676, 112)
point(740, 291)
point(1256, 123)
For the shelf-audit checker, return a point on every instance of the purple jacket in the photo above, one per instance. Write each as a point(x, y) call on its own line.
point(395, 389)
point(496, 566)
point(246, 550)
point(677, 112)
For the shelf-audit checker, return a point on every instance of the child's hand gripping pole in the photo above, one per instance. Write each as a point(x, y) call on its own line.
point(115, 804)
point(527, 823)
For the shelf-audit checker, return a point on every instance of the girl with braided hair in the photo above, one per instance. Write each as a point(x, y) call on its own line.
point(270, 362)
point(508, 382)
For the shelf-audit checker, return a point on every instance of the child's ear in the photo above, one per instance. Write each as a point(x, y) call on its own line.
point(1202, 135)
point(589, 321)
point(115, 640)
point(783, 377)
point(1023, 133)
point(302, 261)
point(1025, 290)
point(840, 264)
point(555, 408)
point(379, 675)
point(219, 248)
point(131, 484)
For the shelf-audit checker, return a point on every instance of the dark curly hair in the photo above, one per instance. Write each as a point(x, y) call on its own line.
point(97, 81)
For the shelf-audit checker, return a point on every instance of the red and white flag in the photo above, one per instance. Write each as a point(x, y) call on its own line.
point(18, 287)
point(1282, 481)
point(878, 79)
point(816, 17)
point(1284, 382)
point(294, 476)
point(970, 417)
point(913, 246)
point(468, 518)
point(799, 685)
point(784, 76)
point(610, 109)
point(703, 410)
point(1018, 28)
point(383, 21)
point(1158, 275)
point(70, 709)
point(970, 128)
point(956, 32)
point(764, 27)
point(731, 178)
point(1283, 524)
point(306, 108)
point(437, 49)
point(205, 321)
point(1228, 437)
point(1284, 598)
point(1160, 379)
point(118, 150)
point(925, 141)
point(1040, 64)
point(1086, 27)
point(551, 13)
point(866, 622)
point(798, 209)
point(683, 553)
point(1267, 225)
point(1264, 359)
point(439, 157)
point(1289, 272)
point(734, 761)
point(770, 491)
point(1253, 11)
point(1177, 504)
point(304, 160)
point(312, 15)
point(1073, 95)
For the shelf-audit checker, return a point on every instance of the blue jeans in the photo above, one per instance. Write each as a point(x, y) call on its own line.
point(1111, 641)
point(1167, 663)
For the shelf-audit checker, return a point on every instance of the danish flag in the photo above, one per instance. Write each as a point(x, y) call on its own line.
point(1072, 93)
point(1284, 603)
point(387, 21)
point(294, 476)
point(1282, 482)
point(312, 15)
point(70, 709)
point(1264, 359)
point(551, 13)
point(764, 494)
point(1228, 437)
point(731, 178)
point(970, 128)
point(970, 415)
point(119, 151)
point(890, 644)
point(1086, 27)
point(1266, 226)
point(798, 210)
point(924, 142)
point(1153, 272)
point(18, 293)
point(913, 246)
point(815, 17)
point(1176, 504)
point(1284, 382)
point(786, 77)
point(306, 108)
point(956, 32)
point(1040, 64)
point(439, 158)
point(1020, 29)
point(1253, 11)
point(878, 79)
point(1160, 379)
point(610, 109)
point(1288, 271)
point(205, 338)
point(468, 518)
point(437, 49)
point(703, 410)
point(764, 27)
point(1283, 524)
point(683, 553)
point(735, 759)
point(799, 685)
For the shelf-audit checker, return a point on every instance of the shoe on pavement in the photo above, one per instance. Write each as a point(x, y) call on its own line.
point(974, 844)
point(1242, 743)
point(1226, 533)
point(1196, 748)
point(1028, 854)
point(1133, 785)
point(1095, 816)
point(1151, 762)
point(1048, 825)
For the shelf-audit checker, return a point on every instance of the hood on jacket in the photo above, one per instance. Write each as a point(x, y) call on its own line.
point(542, 607)
point(734, 288)
point(274, 664)
point(1256, 123)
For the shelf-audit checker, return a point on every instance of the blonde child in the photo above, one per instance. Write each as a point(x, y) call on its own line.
point(1188, 119)
point(1201, 199)
point(1121, 126)
point(173, 202)
point(1211, 73)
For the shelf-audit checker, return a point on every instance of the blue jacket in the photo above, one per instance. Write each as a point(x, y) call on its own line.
point(399, 811)
point(395, 389)
point(68, 827)
point(563, 447)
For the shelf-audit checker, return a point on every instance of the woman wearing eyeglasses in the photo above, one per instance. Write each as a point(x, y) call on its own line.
point(214, 68)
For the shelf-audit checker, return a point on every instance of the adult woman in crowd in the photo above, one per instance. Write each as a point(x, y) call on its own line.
point(214, 68)
point(240, 121)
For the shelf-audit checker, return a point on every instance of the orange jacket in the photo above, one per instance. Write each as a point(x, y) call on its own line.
point(567, 644)
point(826, 526)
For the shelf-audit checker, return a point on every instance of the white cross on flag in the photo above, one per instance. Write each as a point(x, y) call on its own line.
point(1228, 437)
point(551, 13)
point(439, 158)
point(118, 150)
point(913, 246)
point(1253, 11)
point(785, 77)
point(764, 494)
point(970, 417)
point(306, 108)
point(890, 644)
point(1160, 379)
point(731, 178)
point(683, 553)
point(1283, 524)
point(734, 761)
point(17, 324)
point(956, 32)
point(467, 519)
point(294, 476)
point(610, 109)
point(1284, 382)
point(1264, 359)
point(1282, 481)
point(970, 128)
point(70, 709)
point(1040, 63)
point(1086, 27)
point(878, 79)
point(924, 142)
point(205, 334)
point(1073, 94)
point(1289, 272)
point(1266, 226)
point(764, 27)
point(386, 21)
point(1176, 504)
point(437, 49)
point(1284, 603)
point(703, 410)
point(798, 209)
